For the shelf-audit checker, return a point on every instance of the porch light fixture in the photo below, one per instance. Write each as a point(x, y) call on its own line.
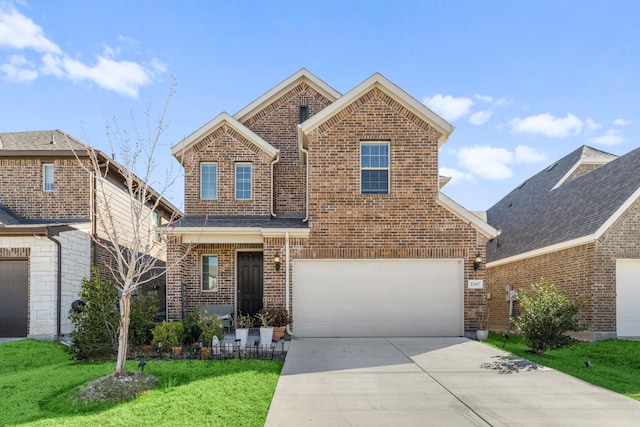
point(276, 261)
point(477, 261)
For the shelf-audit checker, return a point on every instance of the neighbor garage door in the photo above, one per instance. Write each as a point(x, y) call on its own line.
point(13, 298)
point(376, 298)
point(628, 298)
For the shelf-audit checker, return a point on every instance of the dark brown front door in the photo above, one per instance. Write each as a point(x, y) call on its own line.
point(13, 298)
point(249, 282)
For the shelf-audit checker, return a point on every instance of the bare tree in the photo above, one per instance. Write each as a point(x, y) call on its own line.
point(127, 206)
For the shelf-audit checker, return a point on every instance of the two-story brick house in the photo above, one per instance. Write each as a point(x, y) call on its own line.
point(328, 205)
point(49, 212)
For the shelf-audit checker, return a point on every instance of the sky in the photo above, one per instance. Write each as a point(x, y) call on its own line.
point(523, 82)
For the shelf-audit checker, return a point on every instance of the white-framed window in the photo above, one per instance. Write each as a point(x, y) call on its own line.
point(208, 181)
point(155, 217)
point(243, 181)
point(374, 167)
point(47, 177)
point(209, 272)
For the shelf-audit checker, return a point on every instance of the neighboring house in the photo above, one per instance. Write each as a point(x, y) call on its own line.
point(576, 224)
point(48, 213)
point(327, 205)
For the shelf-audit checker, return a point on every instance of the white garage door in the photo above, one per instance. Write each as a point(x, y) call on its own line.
point(369, 298)
point(628, 298)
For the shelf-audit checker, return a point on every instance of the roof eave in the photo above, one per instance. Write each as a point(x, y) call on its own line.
point(466, 216)
point(543, 251)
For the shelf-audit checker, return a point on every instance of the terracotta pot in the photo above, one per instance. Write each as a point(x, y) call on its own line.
point(278, 332)
point(177, 351)
point(205, 352)
point(147, 349)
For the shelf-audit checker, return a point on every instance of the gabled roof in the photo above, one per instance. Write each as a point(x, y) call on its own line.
point(39, 141)
point(300, 76)
point(467, 216)
point(377, 80)
point(13, 224)
point(215, 123)
point(539, 217)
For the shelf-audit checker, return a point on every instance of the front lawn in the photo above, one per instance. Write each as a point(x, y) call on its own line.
point(39, 379)
point(615, 364)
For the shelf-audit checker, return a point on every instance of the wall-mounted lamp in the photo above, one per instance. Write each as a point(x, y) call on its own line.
point(276, 261)
point(477, 261)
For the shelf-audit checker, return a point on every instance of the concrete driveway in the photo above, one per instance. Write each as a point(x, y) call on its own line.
point(432, 382)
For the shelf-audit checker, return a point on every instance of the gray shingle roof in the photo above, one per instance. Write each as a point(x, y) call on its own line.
point(535, 215)
point(10, 218)
point(39, 141)
point(200, 221)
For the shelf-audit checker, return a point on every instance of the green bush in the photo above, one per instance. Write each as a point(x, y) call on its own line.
point(141, 324)
point(95, 335)
point(211, 325)
point(170, 333)
point(192, 327)
point(548, 314)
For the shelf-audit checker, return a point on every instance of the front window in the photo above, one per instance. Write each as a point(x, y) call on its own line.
point(209, 273)
point(208, 181)
point(374, 167)
point(47, 173)
point(243, 181)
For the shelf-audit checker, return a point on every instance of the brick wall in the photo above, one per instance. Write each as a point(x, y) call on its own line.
point(22, 188)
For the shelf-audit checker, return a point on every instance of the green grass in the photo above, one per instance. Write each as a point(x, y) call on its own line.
point(39, 379)
point(615, 363)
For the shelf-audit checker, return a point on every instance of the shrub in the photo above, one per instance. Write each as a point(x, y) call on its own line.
point(547, 315)
point(211, 325)
point(143, 309)
point(279, 316)
point(192, 327)
point(95, 335)
point(243, 321)
point(170, 333)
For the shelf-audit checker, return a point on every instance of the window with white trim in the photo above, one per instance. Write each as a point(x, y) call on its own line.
point(374, 167)
point(243, 181)
point(209, 273)
point(48, 177)
point(208, 181)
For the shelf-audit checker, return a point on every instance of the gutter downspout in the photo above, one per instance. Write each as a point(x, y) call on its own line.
point(59, 285)
point(286, 277)
point(276, 160)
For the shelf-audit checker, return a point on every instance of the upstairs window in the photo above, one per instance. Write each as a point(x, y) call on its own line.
point(303, 113)
point(374, 167)
point(243, 181)
point(208, 181)
point(155, 217)
point(47, 174)
point(209, 273)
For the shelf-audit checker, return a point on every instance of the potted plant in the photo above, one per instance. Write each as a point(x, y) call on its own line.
point(266, 328)
point(242, 324)
point(211, 326)
point(279, 319)
point(169, 336)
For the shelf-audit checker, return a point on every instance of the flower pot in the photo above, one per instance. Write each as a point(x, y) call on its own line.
point(147, 349)
point(278, 332)
point(266, 336)
point(205, 352)
point(482, 334)
point(242, 334)
point(177, 351)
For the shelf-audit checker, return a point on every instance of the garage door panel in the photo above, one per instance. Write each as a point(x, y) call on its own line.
point(378, 298)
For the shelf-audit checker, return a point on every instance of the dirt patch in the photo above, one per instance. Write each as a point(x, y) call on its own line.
point(511, 364)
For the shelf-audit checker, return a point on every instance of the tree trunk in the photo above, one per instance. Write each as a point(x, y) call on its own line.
point(123, 336)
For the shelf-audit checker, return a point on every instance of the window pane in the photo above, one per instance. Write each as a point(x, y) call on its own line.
point(208, 181)
point(375, 182)
point(243, 181)
point(209, 273)
point(48, 177)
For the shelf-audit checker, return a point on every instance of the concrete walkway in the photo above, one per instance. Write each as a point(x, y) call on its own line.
point(432, 382)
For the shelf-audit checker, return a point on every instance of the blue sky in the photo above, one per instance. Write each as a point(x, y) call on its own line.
point(523, 82)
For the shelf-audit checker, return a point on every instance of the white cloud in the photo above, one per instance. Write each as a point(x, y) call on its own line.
point(456, 175)
point(480, 117)
point(484, 98)
point(548, 125)
point(487, 162)
point(502, 101)
point(19, 70)
point(592, 124)
point(448, 107)
point(524, 154)
point(610, 137)
point(621, 122)
point(19, 32)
